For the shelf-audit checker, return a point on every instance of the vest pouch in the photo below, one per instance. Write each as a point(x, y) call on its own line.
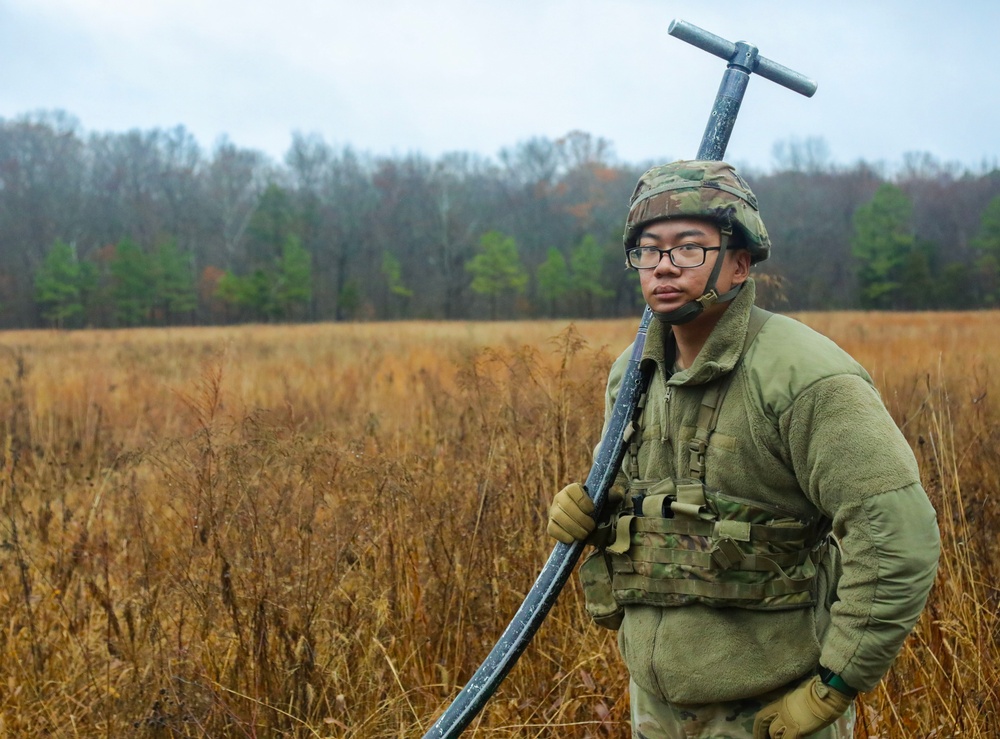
point(783, 543)
point(595, 576)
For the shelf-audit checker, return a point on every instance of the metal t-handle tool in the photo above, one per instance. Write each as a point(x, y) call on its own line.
point(743, 61)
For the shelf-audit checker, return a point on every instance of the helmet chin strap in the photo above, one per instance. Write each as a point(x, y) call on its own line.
point(710, 296)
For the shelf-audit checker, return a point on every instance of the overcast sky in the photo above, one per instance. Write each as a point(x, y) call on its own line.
point(395, 76)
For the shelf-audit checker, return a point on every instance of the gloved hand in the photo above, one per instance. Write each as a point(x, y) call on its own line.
point(570, 515)
point(804, 711)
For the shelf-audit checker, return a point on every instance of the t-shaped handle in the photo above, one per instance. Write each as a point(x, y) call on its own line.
point(743, 61)
point(728, 50)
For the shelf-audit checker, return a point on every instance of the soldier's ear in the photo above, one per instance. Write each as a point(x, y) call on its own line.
point(742, 269)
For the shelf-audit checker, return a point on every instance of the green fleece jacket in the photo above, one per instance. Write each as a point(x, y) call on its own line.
point(802, 429)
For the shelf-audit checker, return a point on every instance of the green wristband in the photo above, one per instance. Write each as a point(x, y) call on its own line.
point(835, 681)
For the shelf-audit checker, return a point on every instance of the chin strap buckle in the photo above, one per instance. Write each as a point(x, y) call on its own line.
point(708, 299)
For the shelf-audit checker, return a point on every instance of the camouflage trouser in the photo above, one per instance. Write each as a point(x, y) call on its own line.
point(654, 719)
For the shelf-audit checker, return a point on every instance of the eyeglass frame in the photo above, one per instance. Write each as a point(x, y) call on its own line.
point(670, 256)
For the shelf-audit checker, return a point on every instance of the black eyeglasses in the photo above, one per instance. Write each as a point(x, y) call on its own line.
point(684, 256)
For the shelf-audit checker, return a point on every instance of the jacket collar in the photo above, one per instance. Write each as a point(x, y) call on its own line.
point(721, 351)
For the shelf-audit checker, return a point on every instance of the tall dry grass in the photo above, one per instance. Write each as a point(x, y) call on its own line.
point(321, 530)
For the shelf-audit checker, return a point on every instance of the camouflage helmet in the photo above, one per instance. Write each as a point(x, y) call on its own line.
point(697, 189)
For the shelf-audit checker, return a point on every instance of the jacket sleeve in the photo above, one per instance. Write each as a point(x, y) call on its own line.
point(855, 466)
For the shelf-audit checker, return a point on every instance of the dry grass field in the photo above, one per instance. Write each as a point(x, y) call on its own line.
point(319, 531)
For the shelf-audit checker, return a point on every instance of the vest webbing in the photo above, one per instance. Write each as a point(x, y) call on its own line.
point(716, 593)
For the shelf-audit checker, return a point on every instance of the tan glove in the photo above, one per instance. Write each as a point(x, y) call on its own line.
point(804, 711)
point(570, 515)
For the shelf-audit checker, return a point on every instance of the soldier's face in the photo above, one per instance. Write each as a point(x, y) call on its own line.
point(667, 287)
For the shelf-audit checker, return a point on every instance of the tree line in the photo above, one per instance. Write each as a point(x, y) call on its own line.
point(145, 228)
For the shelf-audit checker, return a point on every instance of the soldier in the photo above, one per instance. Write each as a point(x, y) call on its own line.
point(770, 545)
